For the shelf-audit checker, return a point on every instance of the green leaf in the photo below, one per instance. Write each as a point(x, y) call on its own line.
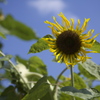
point(21, 60)
point(51, 79)
point(18, 29)
point(78, 82)
point(82, 93)
point(97, 87)
point(96, 47)
point(85, 72)
point(37, 65)
point(63, 96)
point(48, 96)
point(9, 94)
point(97, 90)
point(39, 90)
point(91, 67)
point(40, 45)
point(6, 58)
point(2, 35)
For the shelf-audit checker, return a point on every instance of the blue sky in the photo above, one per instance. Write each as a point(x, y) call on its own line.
point(34, 12)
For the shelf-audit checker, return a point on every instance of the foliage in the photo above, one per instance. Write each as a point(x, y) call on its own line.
point(96, 47)
point(40, 45)
point(16, 28)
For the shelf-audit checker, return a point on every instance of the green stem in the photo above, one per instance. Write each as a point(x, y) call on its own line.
point(16, 71)
point(56, 84)
point(72, 75)
point(72, 78)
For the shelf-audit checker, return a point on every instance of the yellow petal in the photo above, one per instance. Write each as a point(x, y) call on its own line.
point(88, 51)
point(57, 56)
point(78, 25)
point(88, 35)
point(65, 19)
point(84, 26)
point(66, 60)
point(49, 39)
point(52, 50)
point(89, 40)
point(89, 45)
point(54, 18)
point(53, 25)
point(54, 32)
point(52, 46)
point(72, 24)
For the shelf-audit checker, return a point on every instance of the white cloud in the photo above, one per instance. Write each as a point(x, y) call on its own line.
point(48, 6)
point(45, 7)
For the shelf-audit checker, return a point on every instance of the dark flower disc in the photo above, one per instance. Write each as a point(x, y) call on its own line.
point(68, 42)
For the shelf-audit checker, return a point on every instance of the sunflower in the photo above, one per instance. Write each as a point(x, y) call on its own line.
point(70, 44)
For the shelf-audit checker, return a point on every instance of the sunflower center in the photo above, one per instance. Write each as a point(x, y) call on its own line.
point(68, 42)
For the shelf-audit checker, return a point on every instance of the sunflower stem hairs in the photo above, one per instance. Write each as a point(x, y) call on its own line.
point(69, 45)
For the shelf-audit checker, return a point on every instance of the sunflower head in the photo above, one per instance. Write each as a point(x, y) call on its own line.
point(69, 45)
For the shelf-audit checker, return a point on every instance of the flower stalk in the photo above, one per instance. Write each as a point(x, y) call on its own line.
point(56, 84)
point(72, 75)
point(72, 78)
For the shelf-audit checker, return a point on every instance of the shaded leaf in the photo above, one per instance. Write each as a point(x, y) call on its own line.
point(39, 90)
point(40, 45)
point(37, 65)
point(9, 94)
point(18, 29)
point(97, 90)
point(91, 67)
point(97, 87)
point(82, 93)
point(48, 96)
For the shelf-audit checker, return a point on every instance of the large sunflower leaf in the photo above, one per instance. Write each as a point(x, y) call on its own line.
point(85, 94)
point(39, 90)
point(85, 72)
point(40, 45)
point(91, 68)
point(17, 28)
point(96, 47)
point(64, 96)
